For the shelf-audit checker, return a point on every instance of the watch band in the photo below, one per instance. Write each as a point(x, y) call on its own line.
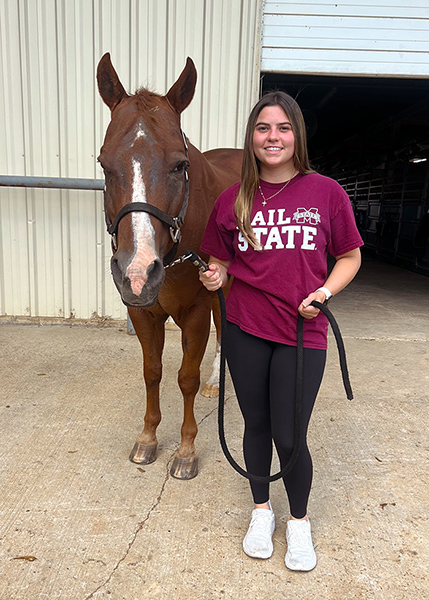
point(328, 294)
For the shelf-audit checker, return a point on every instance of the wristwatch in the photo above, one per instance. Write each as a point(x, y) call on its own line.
point(327, 293)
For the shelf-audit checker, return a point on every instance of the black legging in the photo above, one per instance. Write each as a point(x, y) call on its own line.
point(264, 374)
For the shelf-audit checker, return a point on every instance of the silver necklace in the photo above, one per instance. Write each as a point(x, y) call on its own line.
point(265, 200)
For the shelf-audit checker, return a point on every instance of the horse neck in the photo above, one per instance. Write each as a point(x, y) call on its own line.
point(202, 175)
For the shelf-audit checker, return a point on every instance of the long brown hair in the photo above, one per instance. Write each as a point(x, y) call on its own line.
point(250, 168)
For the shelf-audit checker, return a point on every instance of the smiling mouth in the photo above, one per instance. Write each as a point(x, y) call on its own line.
point(273, 148)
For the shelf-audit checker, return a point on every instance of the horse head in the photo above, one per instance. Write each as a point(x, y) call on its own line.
point(145, 161)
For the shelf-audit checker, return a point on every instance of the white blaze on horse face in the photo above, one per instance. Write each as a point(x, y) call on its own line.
point(140, 132)
point(144, 236)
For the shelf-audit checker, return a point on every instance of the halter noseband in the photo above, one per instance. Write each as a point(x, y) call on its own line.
point(174, 223)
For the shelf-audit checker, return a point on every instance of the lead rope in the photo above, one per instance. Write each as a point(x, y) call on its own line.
point(198, 262)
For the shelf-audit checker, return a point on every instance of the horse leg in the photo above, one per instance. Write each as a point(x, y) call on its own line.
point(211, 389)
point(195, 332)
point(150, 330)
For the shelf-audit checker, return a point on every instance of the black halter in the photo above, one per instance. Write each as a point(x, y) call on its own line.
point(174, 223)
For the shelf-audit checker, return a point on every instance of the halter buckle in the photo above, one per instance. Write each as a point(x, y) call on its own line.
point(175, 233)
point(114, 242)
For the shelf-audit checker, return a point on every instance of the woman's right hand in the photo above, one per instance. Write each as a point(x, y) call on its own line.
point(212, 279)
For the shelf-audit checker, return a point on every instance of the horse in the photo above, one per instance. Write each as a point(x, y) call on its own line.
point(159, 192)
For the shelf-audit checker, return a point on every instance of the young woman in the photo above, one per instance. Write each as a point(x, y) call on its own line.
point(272, 231)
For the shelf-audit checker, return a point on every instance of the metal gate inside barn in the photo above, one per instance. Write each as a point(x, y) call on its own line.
point(360, 73)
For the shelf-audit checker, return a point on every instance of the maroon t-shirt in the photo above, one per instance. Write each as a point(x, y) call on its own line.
point(297, 228)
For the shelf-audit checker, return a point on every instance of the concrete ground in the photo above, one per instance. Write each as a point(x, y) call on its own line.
point(79, 521)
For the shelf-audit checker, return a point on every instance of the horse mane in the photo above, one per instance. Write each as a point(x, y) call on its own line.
point(148, 101)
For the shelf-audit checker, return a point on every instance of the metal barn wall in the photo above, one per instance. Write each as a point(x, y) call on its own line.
point(54, 252)
point(347, 37)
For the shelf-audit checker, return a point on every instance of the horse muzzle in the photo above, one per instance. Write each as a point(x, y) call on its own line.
point(139, 288)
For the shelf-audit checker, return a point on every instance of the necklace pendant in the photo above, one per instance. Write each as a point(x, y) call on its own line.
point(264, 202)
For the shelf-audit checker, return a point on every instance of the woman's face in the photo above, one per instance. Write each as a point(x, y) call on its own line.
point(274, 144)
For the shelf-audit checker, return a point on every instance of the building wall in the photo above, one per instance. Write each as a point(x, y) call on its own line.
point(347, 37)
point(54, 252)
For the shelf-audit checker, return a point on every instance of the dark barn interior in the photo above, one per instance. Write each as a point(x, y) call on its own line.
point(372, 136)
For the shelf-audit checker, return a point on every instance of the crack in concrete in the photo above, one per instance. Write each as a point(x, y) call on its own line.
point(136, 533)
point(146, 519)
point(215, 409)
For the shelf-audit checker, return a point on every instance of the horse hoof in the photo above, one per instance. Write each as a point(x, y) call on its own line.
point(143, 455)
point(184, 468)
point(210, 391)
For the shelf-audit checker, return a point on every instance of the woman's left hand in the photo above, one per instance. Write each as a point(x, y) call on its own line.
point(307, 311)
point(345, 268)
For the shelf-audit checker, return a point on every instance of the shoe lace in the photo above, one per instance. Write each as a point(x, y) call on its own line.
point(260, 523)
point(299, 535)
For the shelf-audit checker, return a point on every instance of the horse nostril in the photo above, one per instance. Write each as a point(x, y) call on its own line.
point(116, 269)
point(155, 271)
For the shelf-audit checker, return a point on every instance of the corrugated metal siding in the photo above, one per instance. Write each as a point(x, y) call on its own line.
point(54, 252)
point(341, 37)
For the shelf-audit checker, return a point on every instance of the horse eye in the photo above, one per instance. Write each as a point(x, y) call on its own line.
point(105, 169)
point(181, 166)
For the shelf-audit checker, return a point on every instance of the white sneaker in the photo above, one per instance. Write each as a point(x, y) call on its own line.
point(300, 555)
point(258, 542)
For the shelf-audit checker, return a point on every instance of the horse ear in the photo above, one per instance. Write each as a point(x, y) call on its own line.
point(109, 86)
point(181, 93)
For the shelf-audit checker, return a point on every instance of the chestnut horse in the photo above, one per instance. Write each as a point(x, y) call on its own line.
point(153, 177)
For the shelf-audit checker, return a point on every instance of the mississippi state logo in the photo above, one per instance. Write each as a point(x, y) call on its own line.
point(304, 215)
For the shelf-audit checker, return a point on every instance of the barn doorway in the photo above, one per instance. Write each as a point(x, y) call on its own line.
point(372, 135)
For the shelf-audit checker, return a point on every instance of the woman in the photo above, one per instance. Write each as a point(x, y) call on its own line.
point(272, 231)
